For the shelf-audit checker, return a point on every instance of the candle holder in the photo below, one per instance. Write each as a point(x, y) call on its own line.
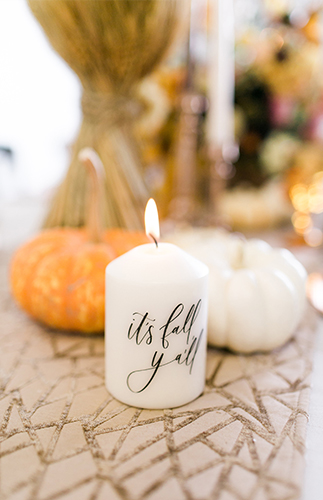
point(220, 171)
point(184, 206)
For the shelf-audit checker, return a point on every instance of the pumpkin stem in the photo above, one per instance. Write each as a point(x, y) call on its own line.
point(238, 257)
point(95, 169)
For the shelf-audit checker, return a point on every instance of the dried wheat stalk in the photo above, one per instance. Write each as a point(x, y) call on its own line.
point(111, 45)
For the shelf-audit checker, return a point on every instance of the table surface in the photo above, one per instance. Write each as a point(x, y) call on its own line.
point(313, 482)
point(62, 436)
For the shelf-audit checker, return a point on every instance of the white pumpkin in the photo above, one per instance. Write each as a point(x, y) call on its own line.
point(256, 293)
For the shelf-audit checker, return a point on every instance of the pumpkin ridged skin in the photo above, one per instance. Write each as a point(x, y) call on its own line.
point(59, 276)
point(258, 305)
point(256, 293)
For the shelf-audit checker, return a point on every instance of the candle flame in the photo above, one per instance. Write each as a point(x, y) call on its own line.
point(152, 220)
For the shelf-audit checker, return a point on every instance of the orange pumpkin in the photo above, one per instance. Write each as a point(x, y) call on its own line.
point(59, 276)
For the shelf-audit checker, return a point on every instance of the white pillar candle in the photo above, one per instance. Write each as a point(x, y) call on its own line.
point(155, 329)
point(220, 128)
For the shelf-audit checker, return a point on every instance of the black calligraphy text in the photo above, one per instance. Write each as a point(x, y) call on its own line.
point(142, 329)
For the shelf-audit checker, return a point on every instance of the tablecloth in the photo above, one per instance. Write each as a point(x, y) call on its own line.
point(62, 436)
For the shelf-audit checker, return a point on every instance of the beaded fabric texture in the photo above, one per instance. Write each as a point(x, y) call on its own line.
point(63, 437)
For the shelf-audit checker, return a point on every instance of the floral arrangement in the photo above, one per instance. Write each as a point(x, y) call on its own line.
point(278, 121)
point(279, 101)
point(279, 112)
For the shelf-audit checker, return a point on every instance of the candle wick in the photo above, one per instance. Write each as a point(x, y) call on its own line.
point(153, 237)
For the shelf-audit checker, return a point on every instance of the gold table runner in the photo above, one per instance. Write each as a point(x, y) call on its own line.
point(62, 436)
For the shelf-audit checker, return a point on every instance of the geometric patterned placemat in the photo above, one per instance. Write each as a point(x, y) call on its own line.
point(62, 436)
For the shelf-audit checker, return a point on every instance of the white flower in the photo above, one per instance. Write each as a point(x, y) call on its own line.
point(277, 152)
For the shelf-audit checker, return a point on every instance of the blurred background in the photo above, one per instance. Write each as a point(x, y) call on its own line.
point(39, 106)
point(233, 129)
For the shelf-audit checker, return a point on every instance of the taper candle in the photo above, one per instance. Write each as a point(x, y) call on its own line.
point(220, 129)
